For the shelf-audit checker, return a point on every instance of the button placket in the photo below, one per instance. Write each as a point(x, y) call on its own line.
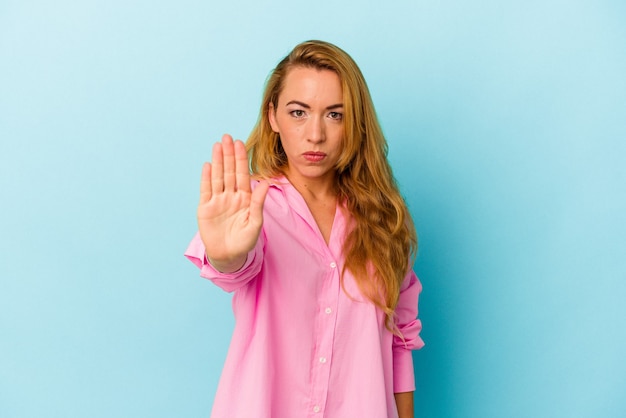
point(323, 354)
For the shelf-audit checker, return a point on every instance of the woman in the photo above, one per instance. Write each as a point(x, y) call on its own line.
point(317, 249)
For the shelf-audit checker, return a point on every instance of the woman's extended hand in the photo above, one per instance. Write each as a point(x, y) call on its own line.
point(230, 214)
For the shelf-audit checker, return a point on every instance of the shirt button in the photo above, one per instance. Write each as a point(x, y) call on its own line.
point(316, 408)
point(322, 360)
point(328, 310)
point(333, 265)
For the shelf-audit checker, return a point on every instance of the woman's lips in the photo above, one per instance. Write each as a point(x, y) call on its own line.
point(314, 157)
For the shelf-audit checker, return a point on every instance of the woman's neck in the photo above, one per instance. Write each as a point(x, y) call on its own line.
point(315, 189)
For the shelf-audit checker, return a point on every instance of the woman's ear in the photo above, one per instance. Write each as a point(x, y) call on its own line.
point(271, 115)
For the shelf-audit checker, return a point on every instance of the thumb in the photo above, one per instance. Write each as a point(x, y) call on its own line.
point(257, 199)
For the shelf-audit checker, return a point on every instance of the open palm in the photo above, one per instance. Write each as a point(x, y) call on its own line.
point(230, 214)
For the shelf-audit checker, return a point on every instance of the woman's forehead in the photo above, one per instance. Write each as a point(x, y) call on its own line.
point(311, 84)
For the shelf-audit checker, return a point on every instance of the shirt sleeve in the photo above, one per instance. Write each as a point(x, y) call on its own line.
point(227, 281)
point(409, 327)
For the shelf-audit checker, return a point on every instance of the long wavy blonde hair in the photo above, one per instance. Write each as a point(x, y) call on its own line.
point(383, 242)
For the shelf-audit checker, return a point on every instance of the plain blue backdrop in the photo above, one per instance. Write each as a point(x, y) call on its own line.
point(506, 122)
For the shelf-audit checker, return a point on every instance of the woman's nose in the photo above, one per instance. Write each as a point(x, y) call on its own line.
point(316, 130)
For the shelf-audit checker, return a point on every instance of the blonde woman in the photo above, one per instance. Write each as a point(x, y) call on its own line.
point(317, 247)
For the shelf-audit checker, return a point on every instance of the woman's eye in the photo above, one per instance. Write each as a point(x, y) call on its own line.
point(297, 113)
point(335, 115)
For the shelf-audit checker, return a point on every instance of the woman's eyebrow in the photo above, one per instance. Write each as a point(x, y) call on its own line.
point(306, 106)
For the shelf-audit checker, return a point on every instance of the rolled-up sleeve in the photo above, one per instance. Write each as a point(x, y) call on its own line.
point(409, 327)
point(227, 281)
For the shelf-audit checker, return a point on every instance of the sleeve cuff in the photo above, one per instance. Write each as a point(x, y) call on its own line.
point(229, 282)
point(403, 373)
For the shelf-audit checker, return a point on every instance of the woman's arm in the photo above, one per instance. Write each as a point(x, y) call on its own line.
point(404, 403)
point(409, 326)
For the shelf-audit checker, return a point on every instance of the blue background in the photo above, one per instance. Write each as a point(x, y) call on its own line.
point(506, 125)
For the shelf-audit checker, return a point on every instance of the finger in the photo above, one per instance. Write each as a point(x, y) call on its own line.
point(217, 169)
point(256, 202)
point(242, 167)
point(205, 183)
point(229, 162)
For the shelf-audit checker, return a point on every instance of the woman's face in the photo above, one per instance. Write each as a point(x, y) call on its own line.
point(309, 120)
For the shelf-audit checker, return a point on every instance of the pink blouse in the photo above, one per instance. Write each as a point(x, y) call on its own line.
point(302, 346)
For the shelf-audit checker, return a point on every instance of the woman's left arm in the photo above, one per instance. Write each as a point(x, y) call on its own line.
point(404, 403)
point(409, 327)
